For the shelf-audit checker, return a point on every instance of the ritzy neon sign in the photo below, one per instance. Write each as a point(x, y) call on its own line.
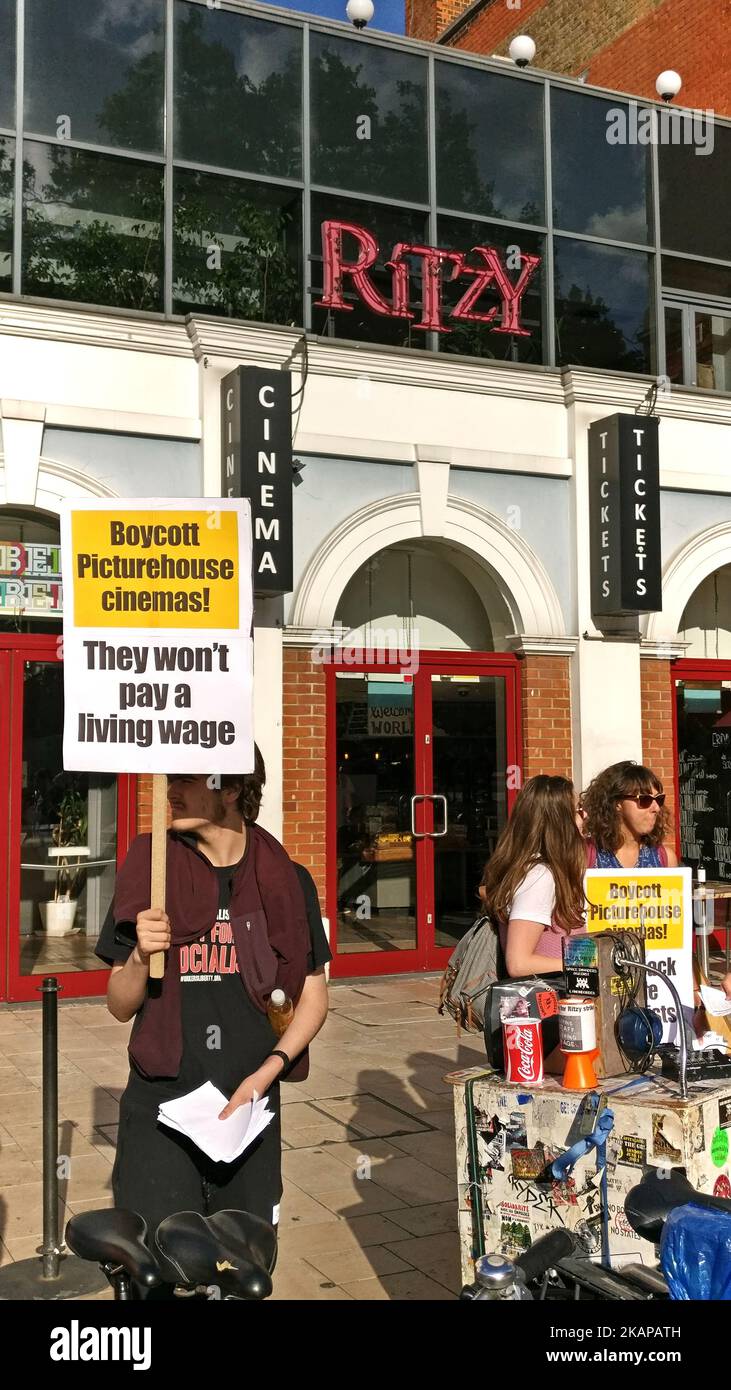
point(490, 272)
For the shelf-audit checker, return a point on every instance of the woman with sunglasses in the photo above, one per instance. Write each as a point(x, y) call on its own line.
point(625, 819)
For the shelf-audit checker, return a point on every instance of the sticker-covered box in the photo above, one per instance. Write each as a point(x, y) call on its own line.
point(507, 1137)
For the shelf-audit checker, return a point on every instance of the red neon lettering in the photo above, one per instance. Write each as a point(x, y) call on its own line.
point(335, 268)
point(511, 294)
point(432, 259)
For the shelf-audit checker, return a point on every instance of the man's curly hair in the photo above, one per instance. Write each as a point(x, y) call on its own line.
point(251, 786)
point(603, 823)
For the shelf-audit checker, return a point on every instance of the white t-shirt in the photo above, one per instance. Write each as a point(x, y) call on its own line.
point(535, 897)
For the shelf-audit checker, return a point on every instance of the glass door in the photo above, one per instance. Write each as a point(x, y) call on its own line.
point(66, 830)
point(420, 787)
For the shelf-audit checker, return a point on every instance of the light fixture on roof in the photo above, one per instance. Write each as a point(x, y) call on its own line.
point(359, 12)
point(522, 50)
point(668, 84)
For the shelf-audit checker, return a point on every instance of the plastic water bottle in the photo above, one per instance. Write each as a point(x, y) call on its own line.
point(280, 1011)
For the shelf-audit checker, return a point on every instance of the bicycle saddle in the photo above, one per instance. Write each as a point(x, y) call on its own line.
point(231, 1249)
point(114, 1237)
point(649, 1204)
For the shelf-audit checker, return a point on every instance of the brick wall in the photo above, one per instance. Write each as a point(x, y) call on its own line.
point(304, 729)
point(144, 805)
point(546, 714)
point(657, 725)
point(620, 44)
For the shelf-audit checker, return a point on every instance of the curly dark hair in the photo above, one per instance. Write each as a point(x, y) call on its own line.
point(603, 823)
point(251, 786)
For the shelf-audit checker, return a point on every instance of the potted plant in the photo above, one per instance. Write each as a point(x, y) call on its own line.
point(67, 835)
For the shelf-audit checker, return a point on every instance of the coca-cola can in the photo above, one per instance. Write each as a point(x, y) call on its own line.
point(523, 1051)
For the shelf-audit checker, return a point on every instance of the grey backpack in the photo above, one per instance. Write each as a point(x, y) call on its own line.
point(475, 965)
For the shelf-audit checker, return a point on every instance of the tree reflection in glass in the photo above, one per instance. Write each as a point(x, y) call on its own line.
point(368, 111)
point(603, 307)
point(92, 227)
point(237, 249)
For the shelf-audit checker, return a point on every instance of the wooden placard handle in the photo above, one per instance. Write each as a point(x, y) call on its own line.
point(159, 859)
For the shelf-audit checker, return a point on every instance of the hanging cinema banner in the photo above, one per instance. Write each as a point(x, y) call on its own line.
point(624, 516)
point(488, 271)
point(256, 463)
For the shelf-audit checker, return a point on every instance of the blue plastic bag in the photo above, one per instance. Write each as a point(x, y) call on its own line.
point(695, 1253)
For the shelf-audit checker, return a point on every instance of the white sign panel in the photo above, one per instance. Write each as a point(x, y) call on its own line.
point(158, 653)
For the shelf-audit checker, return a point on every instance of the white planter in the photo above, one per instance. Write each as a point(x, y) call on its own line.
point(58, 918)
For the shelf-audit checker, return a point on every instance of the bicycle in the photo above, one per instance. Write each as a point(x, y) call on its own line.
point(230, 1255)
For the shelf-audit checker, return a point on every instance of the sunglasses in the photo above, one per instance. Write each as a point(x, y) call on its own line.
point(645, 802)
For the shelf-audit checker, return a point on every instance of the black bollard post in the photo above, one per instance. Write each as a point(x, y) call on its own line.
point(51, 1254)
point(57, 1275)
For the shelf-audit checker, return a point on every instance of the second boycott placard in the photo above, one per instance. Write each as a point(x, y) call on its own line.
point(658, 902)
point(158, 654)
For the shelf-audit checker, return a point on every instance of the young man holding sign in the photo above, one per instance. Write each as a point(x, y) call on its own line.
point(241, 920)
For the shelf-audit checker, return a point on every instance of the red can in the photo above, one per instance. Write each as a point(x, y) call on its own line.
point(523, 1051)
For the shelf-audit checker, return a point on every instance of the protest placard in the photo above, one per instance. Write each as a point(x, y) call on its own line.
point(157, 645)
point(658, 904)
point(157, 636)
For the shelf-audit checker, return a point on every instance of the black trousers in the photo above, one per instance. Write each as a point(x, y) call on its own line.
point(158, 1172)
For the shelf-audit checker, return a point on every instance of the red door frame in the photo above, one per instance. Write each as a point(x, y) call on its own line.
point(15, 651)
point(425, 955)
point(691, 669)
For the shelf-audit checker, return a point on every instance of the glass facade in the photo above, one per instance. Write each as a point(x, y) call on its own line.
point(181, 156)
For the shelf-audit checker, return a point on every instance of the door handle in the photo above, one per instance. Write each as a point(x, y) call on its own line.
point(417, 834)
point(428, 834)
point(436, 834)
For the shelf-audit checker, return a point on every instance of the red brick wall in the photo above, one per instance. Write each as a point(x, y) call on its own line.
point(657, 725)
point(546, 714)
point(621, 44)
point(425, 19)
point(144, 805)
point(304, 729)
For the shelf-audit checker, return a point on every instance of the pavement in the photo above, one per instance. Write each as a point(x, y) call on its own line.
point(370, 1191)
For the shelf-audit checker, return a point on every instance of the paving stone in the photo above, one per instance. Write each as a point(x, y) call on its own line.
point(437, 1256)
point(411, 1286)
point(298, 1281)
point(342, 1266)
point(430, 1220)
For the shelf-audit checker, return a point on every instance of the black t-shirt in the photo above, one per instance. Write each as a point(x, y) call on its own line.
point(225, 1037)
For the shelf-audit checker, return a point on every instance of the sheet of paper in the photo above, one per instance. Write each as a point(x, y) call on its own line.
point(715, 1001)
point(196, 1116)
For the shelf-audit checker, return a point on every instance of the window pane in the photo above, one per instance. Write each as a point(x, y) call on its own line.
point(489, 144)
point(238, 92)
point(481, 339)
point(388, 225)
point(697, 277)
point(237, 249)
point(368, 119)
point(92, 227)
point(96, 72)
point(603, 307)
point(674, 344)
point(695, 195)
point(7, 177)
point(7, 63)
point(704, 779)
point(600, 187)
point(713, 351)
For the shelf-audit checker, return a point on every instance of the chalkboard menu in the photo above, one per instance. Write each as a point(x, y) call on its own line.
point(704, 775)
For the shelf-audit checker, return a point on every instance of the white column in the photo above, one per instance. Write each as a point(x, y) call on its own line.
point(22, 441)
point(268, 678)
point(606, 706)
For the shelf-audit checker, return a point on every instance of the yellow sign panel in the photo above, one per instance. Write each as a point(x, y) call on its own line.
point(156, 569)
point(643, 903)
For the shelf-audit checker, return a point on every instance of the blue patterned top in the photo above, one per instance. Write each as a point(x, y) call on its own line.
point(649, 858)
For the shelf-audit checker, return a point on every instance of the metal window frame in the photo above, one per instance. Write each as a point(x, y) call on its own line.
point(432, 55)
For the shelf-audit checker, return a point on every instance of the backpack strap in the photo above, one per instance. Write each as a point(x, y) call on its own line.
point(662, 855)
point(591, 854)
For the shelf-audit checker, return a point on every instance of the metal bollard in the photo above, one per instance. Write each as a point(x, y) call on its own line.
point(50, 1252)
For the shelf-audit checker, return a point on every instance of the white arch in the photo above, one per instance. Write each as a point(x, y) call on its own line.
point(513, 566)
point(57, 481)
point(690, 565)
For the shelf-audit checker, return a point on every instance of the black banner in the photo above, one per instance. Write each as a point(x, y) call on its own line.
point(624, 516)
point(256, 463)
